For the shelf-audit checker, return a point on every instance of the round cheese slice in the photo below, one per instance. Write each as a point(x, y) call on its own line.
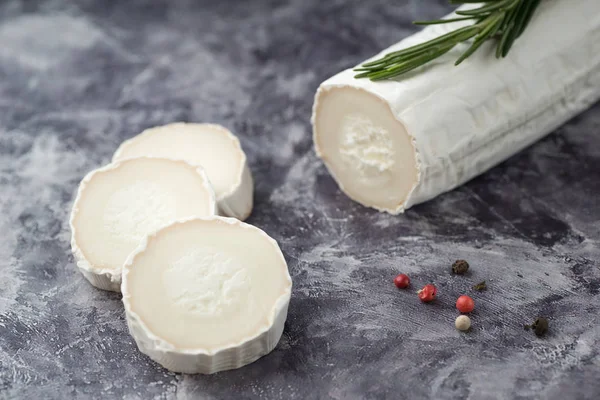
point(119, 204)
point(211, 146)
point(207, 294)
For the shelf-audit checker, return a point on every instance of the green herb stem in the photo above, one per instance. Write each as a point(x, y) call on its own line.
point(502, 20)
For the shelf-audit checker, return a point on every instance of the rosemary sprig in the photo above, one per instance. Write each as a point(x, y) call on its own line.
point(503, 20)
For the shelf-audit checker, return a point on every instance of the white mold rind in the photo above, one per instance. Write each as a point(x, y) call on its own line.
point(239, 202)
point(201, 361)
point(110, 279)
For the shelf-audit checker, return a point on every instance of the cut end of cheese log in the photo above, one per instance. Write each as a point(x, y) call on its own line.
point(207, 294)
point(396, 143)
point(365, 147)
point(210, 146)
point(121, 203)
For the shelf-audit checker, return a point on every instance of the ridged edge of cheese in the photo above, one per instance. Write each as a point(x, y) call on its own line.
point(326, 86)
point(203, 361)
point(107, 278)
point(238, 200)
point(239, 203)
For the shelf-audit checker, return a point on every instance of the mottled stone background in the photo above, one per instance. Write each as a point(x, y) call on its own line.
point(76, 78)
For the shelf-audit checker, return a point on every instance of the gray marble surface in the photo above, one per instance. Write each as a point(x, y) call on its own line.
point(77, 78)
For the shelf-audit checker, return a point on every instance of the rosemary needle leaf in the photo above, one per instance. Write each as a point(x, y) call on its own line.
point(442, 21)
point(510, 34)
point(525, 10)
point(507, 27)
point(470, 51)
point(490, 30)
point(532, 7)
point(471, 1)
point(489, 8)
point(362, 75)
point(397, 55)
point(469, 31)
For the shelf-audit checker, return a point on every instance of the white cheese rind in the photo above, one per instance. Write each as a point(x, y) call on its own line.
point(463, 120)
point(238, 202)
point(211, 146)
point(206, 360)
point(110, 278)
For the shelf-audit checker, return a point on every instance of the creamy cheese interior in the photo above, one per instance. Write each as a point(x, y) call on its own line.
point(210, 146)
point(365, 147)
point(207, 284)
point(124, 202)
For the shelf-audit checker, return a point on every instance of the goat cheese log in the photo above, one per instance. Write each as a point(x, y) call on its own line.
point(393, 144)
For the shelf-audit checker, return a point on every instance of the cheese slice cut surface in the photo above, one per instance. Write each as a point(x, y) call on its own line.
point(211, 146)
point(205, 295)
point(396, 143)
point(121, 203)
